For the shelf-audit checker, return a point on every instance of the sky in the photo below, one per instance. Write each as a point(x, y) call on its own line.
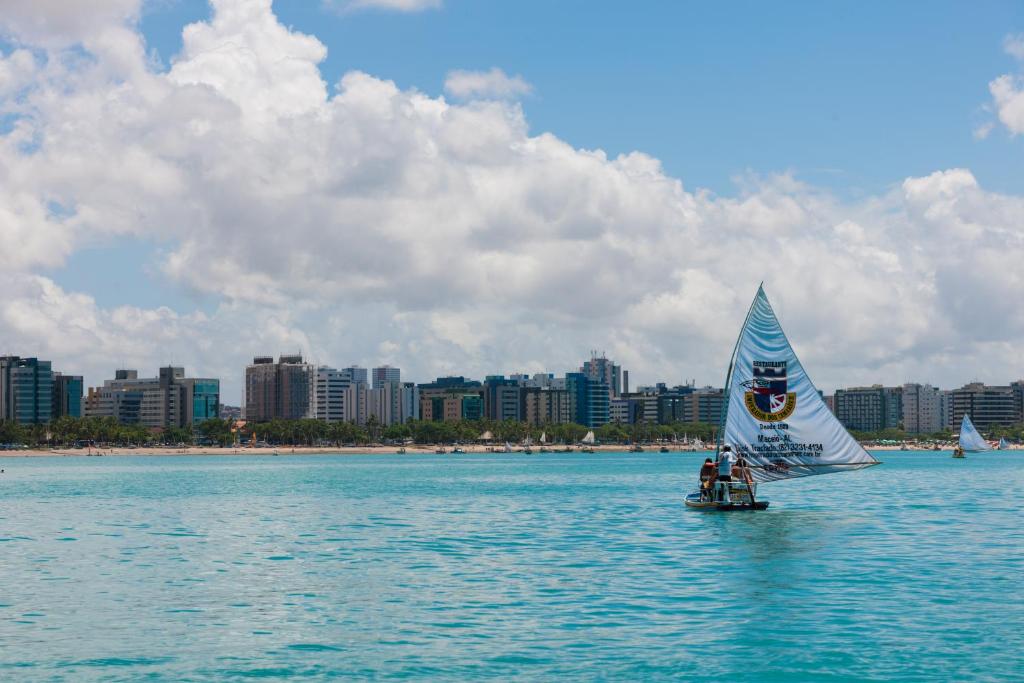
point(456, 186)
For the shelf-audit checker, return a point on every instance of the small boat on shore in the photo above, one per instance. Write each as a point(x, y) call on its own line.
point(775, 423)
point(636, 448)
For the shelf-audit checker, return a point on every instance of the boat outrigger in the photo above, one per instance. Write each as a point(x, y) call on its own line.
point(775, 424)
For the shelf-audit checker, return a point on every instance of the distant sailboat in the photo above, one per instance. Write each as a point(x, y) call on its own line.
point(589, 439)
point(543, 437)
point(1004, 445)
point(970, 439)
point(775, 419)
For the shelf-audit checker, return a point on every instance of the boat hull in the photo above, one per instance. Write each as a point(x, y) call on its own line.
point(739, 500)
point(694, 501)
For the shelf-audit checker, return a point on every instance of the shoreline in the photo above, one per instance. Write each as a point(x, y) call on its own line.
point(356, 450)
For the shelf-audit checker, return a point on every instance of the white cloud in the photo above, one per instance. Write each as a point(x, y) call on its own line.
point(1014, 46)
point(1008, 92)
point(493, 84)
point(374, 224)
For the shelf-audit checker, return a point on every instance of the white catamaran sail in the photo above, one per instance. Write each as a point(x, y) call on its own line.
point(775, 418)
point(970, 439)
point(589, 438)
point(1004, 445)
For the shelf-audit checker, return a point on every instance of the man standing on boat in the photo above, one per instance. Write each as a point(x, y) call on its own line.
point(725, 463)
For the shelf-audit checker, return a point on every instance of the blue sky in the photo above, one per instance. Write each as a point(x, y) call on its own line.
point(220, 206)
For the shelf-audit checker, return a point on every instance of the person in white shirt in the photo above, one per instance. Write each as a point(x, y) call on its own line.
point(726, 459)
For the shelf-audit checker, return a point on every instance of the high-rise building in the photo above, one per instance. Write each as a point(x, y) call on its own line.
point(26, 390)
point(869, 409)
point(543, 405)
point(285, 389)
point(600, 369)
point(168, 400)
point(502, 398)
point(67, 395)
point(451, 407)
point(588, 400)
point(386, 374)
point(922, 409)
point(705, 404)
point(986, 405)
point(409, 398)
point(331, 392)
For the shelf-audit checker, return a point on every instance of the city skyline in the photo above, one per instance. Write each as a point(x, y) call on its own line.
point(238, 401)
point(421, 188)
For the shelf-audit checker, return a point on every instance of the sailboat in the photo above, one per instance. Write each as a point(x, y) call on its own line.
point(1004, 445)
point(970, 440)
point(544, 443)
point(775, 420)
point(588, 442)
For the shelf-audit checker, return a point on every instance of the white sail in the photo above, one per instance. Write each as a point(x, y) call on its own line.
point(589, 438)
point(543, 437)
point(970, 439)
point(1004, 445)
point(775, 418)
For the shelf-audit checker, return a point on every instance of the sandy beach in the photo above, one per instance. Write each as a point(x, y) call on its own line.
point(332, 450)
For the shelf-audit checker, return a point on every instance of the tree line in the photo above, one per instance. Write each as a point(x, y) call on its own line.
point(80, 431)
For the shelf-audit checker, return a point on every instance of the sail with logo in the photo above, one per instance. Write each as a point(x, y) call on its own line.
point(775, 419)
point(970, 439)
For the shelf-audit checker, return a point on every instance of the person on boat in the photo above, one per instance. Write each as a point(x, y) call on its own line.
point(726, 459)
point(707, 477)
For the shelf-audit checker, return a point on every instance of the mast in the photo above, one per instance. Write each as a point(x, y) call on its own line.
point(728, 375)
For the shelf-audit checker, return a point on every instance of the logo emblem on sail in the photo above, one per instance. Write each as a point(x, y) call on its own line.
point(767, 399)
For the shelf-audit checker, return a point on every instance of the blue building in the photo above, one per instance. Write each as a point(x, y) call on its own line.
point(589, 400)
point(26, 390)
point(67, 395)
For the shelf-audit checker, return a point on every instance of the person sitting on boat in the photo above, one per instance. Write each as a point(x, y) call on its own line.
point(726, 459)
point(707, 477)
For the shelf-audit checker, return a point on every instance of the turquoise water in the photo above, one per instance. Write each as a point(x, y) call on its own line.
point(506, 567)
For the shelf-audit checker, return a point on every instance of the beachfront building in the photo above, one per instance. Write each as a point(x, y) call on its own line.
point(588, 400)
point(502, 398)
point(545, 405)
point(451, 398)
point(922, 409)
point(704, 404)
point(987, 405)
point(409, 399)
point(168, 400)
point(67, 395)
point(869, 409)
point(331, 390)
point(285, 389)
point(600, 369)
point(26, 390)
point(451, 407)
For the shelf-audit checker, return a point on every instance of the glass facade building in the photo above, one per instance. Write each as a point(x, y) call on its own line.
point(26, 390)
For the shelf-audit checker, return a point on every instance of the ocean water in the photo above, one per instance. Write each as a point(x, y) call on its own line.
point(506, 567)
